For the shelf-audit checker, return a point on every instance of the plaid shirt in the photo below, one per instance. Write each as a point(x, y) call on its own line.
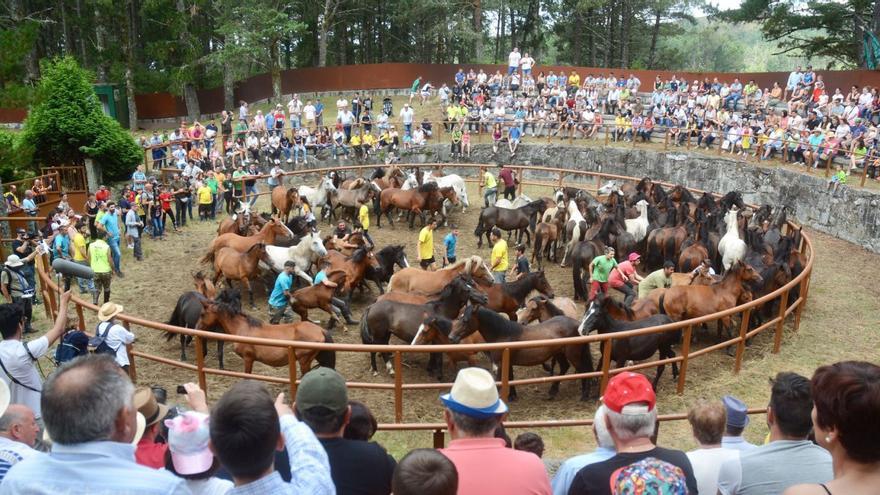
point(309, 466)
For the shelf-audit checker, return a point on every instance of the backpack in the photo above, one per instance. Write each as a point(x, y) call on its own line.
point(73, 344)
point(100, 340)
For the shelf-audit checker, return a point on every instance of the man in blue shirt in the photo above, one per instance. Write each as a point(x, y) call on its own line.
point(337, 303)
point(319, 113)
point(110, 224)
point(450, 242)
point(279, 307)
point(138, 179)
point(61, 245)
point(513, 137)
point(604, 451)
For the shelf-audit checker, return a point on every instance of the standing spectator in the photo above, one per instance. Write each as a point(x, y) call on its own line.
point(110, 224)
point(425, 472)
point(356, 467)
point(790, 458)
point(508, 177)
point(407, 115)
point(846, 404)
point(513, 60)
point(450, 242)
point(498, 258)
point(250, 184)
point(18, 433)
point(114, 335)
point(795, 78)
point(737, 420)
point(491, 188)
point(29, 206)
point(243, 111)
point(23, 245)
point(604, 451)
point(631, 419)
point(426, 245)
point(206, 201)
point(81, 257)
point(246, 430)
point(150, 453)
point(133, 225)
point(99, 261)
point(414, 89)
point(138, 179)
point(91, 418)
point(707, 420)
point(17, 289)
point(484, 464)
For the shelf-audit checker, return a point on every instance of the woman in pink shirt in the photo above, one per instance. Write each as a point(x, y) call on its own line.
point(624, 275)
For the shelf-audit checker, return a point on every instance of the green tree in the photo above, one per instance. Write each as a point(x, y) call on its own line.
point(66, 124)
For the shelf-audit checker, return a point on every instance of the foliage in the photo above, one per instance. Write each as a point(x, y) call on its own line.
point(15, 157)
point(66, 124)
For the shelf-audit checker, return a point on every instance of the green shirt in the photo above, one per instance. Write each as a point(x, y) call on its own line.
point(655, 280)
point(99, 256)
point(602, 267)
point(236, 183)
point(212, 183)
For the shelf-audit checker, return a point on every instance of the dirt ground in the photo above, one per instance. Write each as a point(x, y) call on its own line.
point(840, 322)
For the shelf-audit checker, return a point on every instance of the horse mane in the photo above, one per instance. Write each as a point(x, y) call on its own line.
point(618, 305)
point(534, 204)
point(358, 255)
point(428, 187)
point(378, 173)
point(467, 262)
point(228, 303)
point(441, 323)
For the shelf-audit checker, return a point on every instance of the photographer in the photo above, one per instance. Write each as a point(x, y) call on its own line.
point(16, 289)
point(23, 245)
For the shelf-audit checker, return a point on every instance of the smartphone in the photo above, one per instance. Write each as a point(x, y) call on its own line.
point(181, 390)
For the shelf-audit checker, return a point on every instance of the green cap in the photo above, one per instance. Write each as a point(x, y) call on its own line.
point(322, 387)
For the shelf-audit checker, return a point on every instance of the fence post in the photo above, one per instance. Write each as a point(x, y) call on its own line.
point(291, 367)
point(783, 305)
point(439, 439)
point(200, 363)
point(81, 317)
point(505, 373)
point(864, 172)
point(559, 182)
point(480, 183)
point(398, 388)
point(685, 353)
point(606, 363)
point(741, 343)
point(803, 298)
point(132, 368)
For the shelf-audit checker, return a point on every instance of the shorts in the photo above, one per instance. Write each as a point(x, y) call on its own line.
point(238, 193)
point(426, 262)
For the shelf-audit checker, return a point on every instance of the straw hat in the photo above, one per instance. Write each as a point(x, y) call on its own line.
point(109, 310)
point(147, 405)
point(474, 394)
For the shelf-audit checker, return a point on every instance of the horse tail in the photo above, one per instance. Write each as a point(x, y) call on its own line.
point(539, 239)
point(479, 230)
point(366, 334)
point(661, 304)
point(208, 258)
point(327, 358)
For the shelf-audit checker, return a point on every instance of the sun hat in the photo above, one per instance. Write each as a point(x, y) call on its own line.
point(147, 405)
point(109, 310)
point(188, 436)
point(474, 394)
point(625, 390)
point(633, 256)
point(737, 412)
point(650, 476)
point(322, 387)
point(13, 261)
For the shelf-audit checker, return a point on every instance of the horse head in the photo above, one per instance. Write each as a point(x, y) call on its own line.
point(465, 325)
point(745, 273)
point(399, 256)
point(315, 244)
point(592, 317)
point(542, 285)
point(609, 187)
point(430, 329)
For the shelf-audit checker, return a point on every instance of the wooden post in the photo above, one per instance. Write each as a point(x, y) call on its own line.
point(291, 370)
point(439, 439)
point(81, 317)
point(864, 173)
point(741, 343)
point(783, 305)
point(559, 182)
point(132, 368)
point(606, 363)
point(803, 297)
point(505, 374)
point(521, 173)
point(398, 388)
point(480, 183)
point(685, 353)
point(53, 304)
point(200, 363)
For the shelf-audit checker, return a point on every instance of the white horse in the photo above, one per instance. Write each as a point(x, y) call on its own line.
point(609, 187)
point(411, 182)
point(309, 250)
point(638, 227)
point(453, 181)
point(516, 203)
point(320, 195)
point(577, 223)
point(731, 247)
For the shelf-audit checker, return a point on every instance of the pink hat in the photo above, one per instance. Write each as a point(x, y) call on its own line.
point(633, 256)
point(188, 436)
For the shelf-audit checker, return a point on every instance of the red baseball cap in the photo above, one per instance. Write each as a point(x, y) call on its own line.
point(633, 256)
point(628, 388)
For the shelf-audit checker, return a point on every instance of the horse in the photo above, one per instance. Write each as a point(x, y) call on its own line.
point(455, 182)
point(387, 317)
point(547, 235)
point(694, 251)
point(575, 229)
point(283, 200)
point(347, 247)
point(638, 227)
point(361, 192)
point(387, 257)
point(665, 243)
point(731, 199)
point(318, 296)
point(319, 196)
point(774, 236)
point(581, 254)
point(240, 221)
point(225, 311)
point(412, 200)
point(266, 235)
point(354, 266)
point(542, 308)
point(187, 311)
point(437, 203)
point(231, 264)
point(517, 202)
point(435, 330)
point(416, 280)
point(731, 247)
point(641, 308)
point(495, 328)
point(521, 219)
point(305, 254)
point(507, 297)
point(638, 348)
point(392, 177)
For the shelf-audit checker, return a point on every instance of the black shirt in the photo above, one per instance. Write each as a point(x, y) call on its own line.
point(595, 479)
point(358, 467)
point(25, 253)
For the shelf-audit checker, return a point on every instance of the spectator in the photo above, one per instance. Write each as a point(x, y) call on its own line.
point(707, 420)
point(150, 453)
point(485, 466)
point(114, 335)
point(604, 451)
point(425, 472)
point(246, 430)
point(18, 432)
point(737, 420)
point(530, 442)
point(846, 405)
point(109, 223)
point(789, 458)
point(189, 455)
point(631, 417)
point(16, 288)
point(650, 476)
point(99, 261)
point(356, 467)
point(362, 424)
point(91, 418)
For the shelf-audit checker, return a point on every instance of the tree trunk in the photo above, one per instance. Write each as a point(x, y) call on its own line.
point(32, 67)
point(324, 31)
point(655, 32)
point(101, 67)
point(130, 42)
point(275, 70)
point(66, 28)
point(191, 98)
point(478, 30)
point(625, 24)
point(228, 88)
point(591, 40)
point(81, 39)
point(608, 55)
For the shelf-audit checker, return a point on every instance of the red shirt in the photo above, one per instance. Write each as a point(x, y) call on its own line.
point(102, 195)
point(486, 467)
point(506, 175)
point(150, 453)
point(615, 280)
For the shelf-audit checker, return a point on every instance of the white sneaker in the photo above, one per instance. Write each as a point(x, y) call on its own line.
point(289, 160)
point(131, 246)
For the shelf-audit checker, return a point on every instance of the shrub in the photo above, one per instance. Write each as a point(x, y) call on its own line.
point(15, 157)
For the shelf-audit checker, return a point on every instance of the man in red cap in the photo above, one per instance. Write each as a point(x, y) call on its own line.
point(631, 418)
point(625, 277)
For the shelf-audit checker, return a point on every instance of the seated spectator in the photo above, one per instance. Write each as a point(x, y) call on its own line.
point(631, 417)
point(650, 476)
point(789, 458)
point(88, 408)
point(737, 420)
point(18, 432)
point(485, 466)
point(530, 442)
point(604, 451)
point(707, 420)
point(149, 452)
point(362, 424)
point(356, 467)
point(846, 405)
point(425, 472)
point(246, 430)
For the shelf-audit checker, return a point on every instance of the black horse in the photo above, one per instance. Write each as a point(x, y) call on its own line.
point(633, 348)
point(387, 257)
point(521, 219)
point(186, 314)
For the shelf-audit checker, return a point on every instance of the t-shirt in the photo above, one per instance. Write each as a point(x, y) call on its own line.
point(515, 133)
point(486, 467)
point(364, 216)
point(205, 197)
point(706, 464)
point(450, 241)
point(99, 256)
point(358, 467)
point(20, 365)
point(595, 479)
point(522, 264)
point(117, 338)
point(490, 180)
point(655, 280)
point(513, 59)
point(132, 221)
point(426, 243)
point(11, 453)
point(210, 486)
point(602, 266)
point(499, 255)
point(111, 225)
point(774, 467)
point(282, 283)
point(62, 246)
point(506, 175)
point(79, 247)
point(615, 280)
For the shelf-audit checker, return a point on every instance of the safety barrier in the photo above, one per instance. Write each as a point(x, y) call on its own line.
point(799, 286)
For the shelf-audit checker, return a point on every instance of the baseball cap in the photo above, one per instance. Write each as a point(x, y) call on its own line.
point(625, 390)
point(633, 256)
point(188, 436)
point(322, 387)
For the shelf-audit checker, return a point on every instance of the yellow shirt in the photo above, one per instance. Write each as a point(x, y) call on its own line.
point(490, 180)
point(364, 217)
point(355, 140)
point(205, 197)
point(426, 243)
point(574, 80)
point(79, 247)
point(499, 252)
point(369, 140)
point(220, 176)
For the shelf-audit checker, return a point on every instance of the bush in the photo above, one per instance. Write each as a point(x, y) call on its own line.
point(66, 124)
point(15, 157)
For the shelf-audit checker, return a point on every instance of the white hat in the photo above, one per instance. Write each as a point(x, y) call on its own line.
point(474, 394)
point(13, 260)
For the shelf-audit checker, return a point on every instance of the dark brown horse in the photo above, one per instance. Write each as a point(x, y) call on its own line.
point(508, 297)
point(411, 200)
point(187, 311)
point(542, 308)
point(520, 219)
point(319, 296)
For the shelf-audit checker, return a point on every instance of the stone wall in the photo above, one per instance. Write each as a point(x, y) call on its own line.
point(853, 215)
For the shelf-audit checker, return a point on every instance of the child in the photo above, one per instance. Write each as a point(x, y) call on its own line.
point(837, 179)
point(521, 267)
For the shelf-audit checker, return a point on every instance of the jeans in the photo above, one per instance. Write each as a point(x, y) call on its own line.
point(115, 253)
point(251, 191)
point(85, 284)
point(629, 292)
point(138, 251)
point(337, 147)
point(499, 277)
point(511, 69)
point(407, 129)
point(297, 150)
point(493, 192)
point(734, 98)
point(158, 227)
point(295, 121)
point(180, 212)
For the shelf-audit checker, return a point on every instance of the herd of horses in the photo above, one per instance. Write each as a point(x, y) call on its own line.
point(460, 303)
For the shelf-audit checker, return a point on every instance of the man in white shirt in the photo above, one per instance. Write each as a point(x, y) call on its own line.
point(707, 421)
point(17, 358)
point(513, 61)
point(18, 434)
point(309, 112)
point(113, 334)
point(407, 115)
point(295, 110)
point(341, 105)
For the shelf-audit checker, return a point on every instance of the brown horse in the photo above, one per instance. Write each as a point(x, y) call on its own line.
point(388, 177)
point(233, 265)
point(240, 223)
point(354, 267)
point(356, 239)
point(436, 203)
point(547, 235)
point(411, 200)
point(187, 311)
point(225, 311)
point(508, 297)
point(318, 296)
point(283, 201)
point(542, 308)
point(423, 282)
point(273, 228)
point(435, 330)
